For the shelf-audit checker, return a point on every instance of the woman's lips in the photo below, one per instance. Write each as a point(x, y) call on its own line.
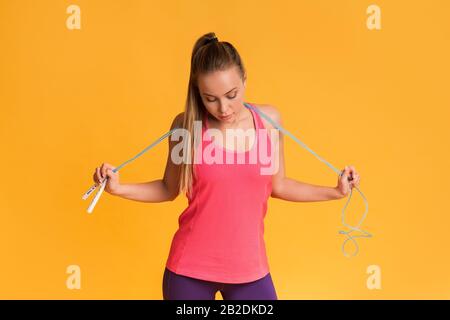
point(226, 117)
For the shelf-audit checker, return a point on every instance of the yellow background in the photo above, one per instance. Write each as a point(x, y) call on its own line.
point(72, 99)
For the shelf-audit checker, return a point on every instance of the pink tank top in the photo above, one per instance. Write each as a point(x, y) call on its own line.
point(221, 233)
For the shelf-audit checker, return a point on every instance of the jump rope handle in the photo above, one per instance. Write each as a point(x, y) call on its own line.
point(97, 196)
point(88, 193)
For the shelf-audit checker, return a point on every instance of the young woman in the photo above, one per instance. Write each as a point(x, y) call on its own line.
point(219, 245)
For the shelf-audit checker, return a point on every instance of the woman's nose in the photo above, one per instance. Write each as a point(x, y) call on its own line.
point(224, 109)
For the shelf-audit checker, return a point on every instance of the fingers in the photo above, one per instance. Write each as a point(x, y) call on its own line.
point(98, 177)
point(111, 174)
point(351, 175)
point(102, 172)
point(105, 167)
point(355, 175)
point(345, 173)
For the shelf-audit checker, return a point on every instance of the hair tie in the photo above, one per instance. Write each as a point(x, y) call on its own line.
point(213, 39)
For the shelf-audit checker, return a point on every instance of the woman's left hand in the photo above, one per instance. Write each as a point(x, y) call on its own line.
point(348, 179)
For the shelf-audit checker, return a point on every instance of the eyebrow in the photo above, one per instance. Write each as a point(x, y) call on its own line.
point(207, 94)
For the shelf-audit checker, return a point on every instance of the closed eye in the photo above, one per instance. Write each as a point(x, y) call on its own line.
point(235, 94)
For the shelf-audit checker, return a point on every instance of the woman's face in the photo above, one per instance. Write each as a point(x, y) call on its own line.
point(222, 93)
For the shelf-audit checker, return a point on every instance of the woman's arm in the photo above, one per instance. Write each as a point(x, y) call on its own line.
point(152, 191)
point(293, 190)
point(165, 189)
point(289, 189)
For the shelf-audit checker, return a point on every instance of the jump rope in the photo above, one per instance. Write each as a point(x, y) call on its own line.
point(363, 233)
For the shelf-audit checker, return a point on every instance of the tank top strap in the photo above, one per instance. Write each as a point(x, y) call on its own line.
point(258, 120)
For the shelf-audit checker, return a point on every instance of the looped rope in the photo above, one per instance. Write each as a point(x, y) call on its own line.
point(357, 228)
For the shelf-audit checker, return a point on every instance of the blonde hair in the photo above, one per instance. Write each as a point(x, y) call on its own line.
point(208, 55)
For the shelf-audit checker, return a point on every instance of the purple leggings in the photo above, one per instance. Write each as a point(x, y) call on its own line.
point(179, 287)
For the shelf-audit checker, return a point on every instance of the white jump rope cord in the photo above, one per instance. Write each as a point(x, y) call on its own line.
point(364, 234)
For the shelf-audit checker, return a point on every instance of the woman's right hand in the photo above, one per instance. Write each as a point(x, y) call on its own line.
point(106, 170)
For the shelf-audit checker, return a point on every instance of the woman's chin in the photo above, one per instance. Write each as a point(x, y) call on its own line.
point(229, 118)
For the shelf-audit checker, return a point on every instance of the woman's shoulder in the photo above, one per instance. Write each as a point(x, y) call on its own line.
point(177, 121)
point(271, 111)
